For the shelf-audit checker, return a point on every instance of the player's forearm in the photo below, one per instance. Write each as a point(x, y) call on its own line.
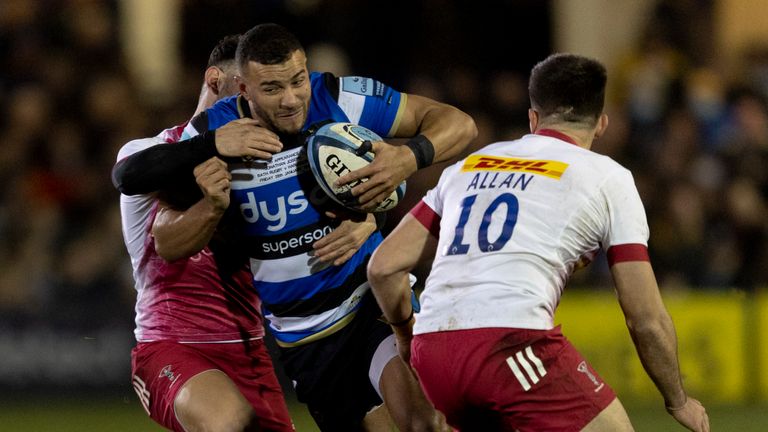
point(449, 130)
point(656, 345)
point(393, 293)
point(181, 234)
point(158, 167)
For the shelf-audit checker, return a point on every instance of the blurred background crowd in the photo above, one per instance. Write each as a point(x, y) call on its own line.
point(693, 131)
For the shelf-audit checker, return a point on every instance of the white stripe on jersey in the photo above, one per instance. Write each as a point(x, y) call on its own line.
point(315, 323)
point(352, 105)
point(286, 269)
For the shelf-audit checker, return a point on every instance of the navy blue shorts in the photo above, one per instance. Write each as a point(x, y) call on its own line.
point(331, 374)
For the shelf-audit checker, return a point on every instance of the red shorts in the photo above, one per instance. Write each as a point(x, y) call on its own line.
point(509, 379)
point(161, 368)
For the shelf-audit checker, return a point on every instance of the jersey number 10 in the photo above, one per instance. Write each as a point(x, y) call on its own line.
point(458, 247)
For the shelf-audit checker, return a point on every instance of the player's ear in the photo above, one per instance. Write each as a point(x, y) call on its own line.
point(212, 76)
point(533, 119)
point(602, 125)
point(242, 86)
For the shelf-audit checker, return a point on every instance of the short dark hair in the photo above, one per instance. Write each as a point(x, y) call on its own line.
point(568, 86)
point(267, 44)
point(224, 51)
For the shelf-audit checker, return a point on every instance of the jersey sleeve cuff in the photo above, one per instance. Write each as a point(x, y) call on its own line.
point(627, 252)
point(427, 217)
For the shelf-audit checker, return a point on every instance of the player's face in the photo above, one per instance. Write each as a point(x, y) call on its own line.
point(279, 94)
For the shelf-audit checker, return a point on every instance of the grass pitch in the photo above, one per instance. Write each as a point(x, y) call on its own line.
point(124, 414)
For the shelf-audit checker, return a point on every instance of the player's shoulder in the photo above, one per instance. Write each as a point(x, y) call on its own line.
point(137, 145)
point(576, 156)
point(172, 134)
point(351, 85)
point(362, 86)
point(219, 114)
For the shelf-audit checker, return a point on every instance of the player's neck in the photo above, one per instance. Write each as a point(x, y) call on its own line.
point(580, 137)
point(206, 100)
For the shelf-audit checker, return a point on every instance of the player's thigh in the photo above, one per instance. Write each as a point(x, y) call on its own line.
point(332, 375)
point(250, 367)
point(612, 419)
point(210, 401)
point(165, 372)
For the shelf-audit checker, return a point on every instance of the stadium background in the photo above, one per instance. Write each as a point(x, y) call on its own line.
point(688, 84)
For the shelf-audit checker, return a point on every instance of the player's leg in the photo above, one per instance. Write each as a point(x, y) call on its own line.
point(331, 375)
point(537, 380)
point(249, 365)
point(378, 419)
point(174, 382)
point(612, 419)
point(210, 401)
point(407, 405)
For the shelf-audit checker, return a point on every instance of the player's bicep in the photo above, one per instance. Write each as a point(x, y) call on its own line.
point(414, 110)
point(408, 244)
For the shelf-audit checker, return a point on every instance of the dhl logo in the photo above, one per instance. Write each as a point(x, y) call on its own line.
point(552, 169)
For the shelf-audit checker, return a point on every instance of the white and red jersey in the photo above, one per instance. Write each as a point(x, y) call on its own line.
point(515, 219)
point(187, 300)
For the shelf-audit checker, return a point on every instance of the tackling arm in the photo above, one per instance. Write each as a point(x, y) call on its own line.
point(388, 271)
point(181, 234)
point(158, 167)
point(653, 334)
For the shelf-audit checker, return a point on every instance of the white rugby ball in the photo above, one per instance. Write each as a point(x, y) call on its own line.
point(338, 148)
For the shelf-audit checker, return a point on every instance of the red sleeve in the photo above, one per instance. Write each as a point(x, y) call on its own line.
point(424, 214)
point(627, 252)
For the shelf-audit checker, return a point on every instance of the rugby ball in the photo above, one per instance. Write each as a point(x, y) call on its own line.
point(338, 148)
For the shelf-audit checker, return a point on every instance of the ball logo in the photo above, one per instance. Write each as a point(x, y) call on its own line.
point(337, 166)
point(336, 149)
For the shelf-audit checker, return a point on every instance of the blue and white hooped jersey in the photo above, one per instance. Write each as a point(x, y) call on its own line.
point(282, 208)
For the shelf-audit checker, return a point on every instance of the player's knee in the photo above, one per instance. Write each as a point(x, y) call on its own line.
point(424, 425)
point(237, 419)
point(229, 418)
point(232, 422)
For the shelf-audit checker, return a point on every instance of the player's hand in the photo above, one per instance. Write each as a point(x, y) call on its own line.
point(692, 415)
point(213, 178)
point(391, 165)
point(247, 138)
point(339, 246)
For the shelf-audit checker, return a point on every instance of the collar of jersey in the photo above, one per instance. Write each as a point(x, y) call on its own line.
point(555, 134)
point(243, 109)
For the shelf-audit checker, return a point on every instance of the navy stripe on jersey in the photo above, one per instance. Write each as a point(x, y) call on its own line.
point(200, 122)
point(331, 84)
point(296, 242)
point(331, 277)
